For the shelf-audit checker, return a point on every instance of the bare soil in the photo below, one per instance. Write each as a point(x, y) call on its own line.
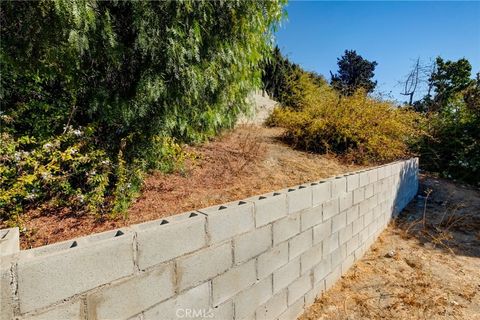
point(425, 265)
point(244, 162)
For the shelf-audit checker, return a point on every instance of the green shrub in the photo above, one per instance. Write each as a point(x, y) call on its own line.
point(360, 128)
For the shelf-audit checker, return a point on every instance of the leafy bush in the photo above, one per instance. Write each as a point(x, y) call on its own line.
point(358, 127)
point(133, 74)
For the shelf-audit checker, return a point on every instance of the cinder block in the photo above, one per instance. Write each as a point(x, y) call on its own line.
point(353, 244)
point(364, 178)
point(321, 192)
point(130, 297)
point(286, 228)
point(368, 191)
point(247, 301)
point(346, 201)
point(368, 217)
point(300, 243)
point(233, 281)
point(223, 311)
point(333, 277)
point(311, 258)
point(347, 263)
point(358, 195)
point(359, 252)
point(9, 241)
point(315, 293)
point(339, 221)
point(299, 288)
point(322, 231)
point(299, 198)
point(338, 255)
point(330, 208)
point(229, 220)
point(273, 308)
point(357, 225)
point(6, 289)
point(159, 241)
point(352, 214)
point(251, 244)
point(272, 260)
point(373, 175)
point(381, 173)
point(345, 234)
point(330, 243)
point(339, 186)
point(311, 217)
point(293, 311)
point(193, 303)
point(70, 310)
point(286, 275)
point(46, 276)
point(269, 207)
point(353, 182)
point(203, 265)
point(322, 270)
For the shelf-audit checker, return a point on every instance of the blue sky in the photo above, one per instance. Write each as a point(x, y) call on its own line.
point(392, 33)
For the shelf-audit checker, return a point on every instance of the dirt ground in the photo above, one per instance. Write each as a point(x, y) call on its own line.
point(425, 265)
point(247, 161)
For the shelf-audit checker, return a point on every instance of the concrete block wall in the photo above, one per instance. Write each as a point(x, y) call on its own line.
point(265, 257)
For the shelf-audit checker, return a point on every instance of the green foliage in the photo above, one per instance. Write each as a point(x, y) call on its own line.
point(133, 71)
point(360, 128)
point(452, 146)
point(354, 72)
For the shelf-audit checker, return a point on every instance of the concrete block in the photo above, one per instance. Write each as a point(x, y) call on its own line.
point(345, 234)
point(203, 265)
point(333, 277)
point(322, 231)
point(321, 192)
point(286, 275)
point(247, 301)
point(193, 303)
point(339, 221)
point(347, 263)
point(47, 275)
point(71, 310)
point(229, 220)
point(372, 175)
point(249, 245)
point(322, 270)
point(293, 311)
point(273, 308)
point(9, 241)
point(330, 208)
point(358, 195)
point(224, 311)
point(353, 182)
point(269, 207)
point(131, 296)
point(311, 258)
point(299, 288)
point(299, 198)
point(339, 186)
point(311, 217)
point(7, 303)
point(359, 252)
point(352, 214)
point(272, 260)
point(159, 241)
point(368, 191)
point(330, 243)
point(286, 228)
point(345, 201)
point(353, 244)
point(364, 178)
point(300, 243)
point(381, 172)
point(233, 281)
point(358, 225)
point(314, 294)
point(368, 217)
point(338, 255)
